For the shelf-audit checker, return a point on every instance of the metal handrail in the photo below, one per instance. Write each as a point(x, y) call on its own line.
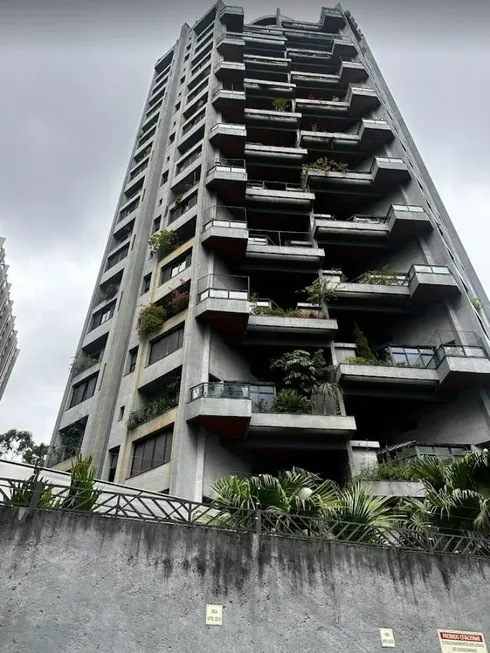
point(275, 185)
point(221, 213)
point(281, 238)
point(144, 506)
point(228, 163)
point(223, 286)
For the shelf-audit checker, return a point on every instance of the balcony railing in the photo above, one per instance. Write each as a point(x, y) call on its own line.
point(426, 269)
point(276, 185)
point(222, 286)
point(280, 238)
point(225, 216)
point(227, 164)
point(365, 219)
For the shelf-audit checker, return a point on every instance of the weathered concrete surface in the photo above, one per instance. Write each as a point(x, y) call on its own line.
point(79, 583)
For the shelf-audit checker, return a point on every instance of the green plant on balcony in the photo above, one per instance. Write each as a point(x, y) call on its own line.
point(363, 349)
point(291, 402)
point(71, 440)
point(155, 407)
point(301, 371)
point(151, 318)
point(163, 243)
point(82, 362)
point(335, 98)
point(325, 165)
point(321, 291)
point(280, 104)
point(315, 127)
point(383, 277)
point(476, 304)
point(393, 470)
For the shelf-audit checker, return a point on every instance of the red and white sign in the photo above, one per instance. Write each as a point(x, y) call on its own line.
point(459, 641)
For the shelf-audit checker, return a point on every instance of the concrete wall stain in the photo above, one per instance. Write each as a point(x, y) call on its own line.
point(76, 582)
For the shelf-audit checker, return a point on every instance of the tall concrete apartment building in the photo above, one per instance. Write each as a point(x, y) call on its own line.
point(271, 155)
point(8, 334)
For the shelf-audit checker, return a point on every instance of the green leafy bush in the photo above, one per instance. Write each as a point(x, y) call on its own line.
point(384, 277)
point(291, 402)
point(280, 104)
point(151, 318)
point(82, 495)
point(149, 411)
point(363, 349)
point(163, 243)
point(321, 291)
point(476, 304)
point(325, 165)
point(390, 471)
point(23, 492)
point(82, 362)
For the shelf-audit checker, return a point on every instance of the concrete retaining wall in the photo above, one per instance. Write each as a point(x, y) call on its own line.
point(80, 583)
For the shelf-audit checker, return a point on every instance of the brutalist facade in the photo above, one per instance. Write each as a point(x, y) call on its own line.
point(275, 155)
point(8, 334)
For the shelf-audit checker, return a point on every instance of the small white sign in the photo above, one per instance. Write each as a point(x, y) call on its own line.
point(387, 637)
point(460, 641)
point(214, 615)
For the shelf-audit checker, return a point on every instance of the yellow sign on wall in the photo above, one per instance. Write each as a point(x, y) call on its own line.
point(460, 641)
point(387, 637)
point(214, 615)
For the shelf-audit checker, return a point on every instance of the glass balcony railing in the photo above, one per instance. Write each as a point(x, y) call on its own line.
point(280, 238)
point(261, 395)
point(223, 286)
point(276, 185)
point(228, 165)
point(225, 216)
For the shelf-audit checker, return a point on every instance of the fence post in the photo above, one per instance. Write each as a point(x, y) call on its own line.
point(258, 521)
point(37, 492)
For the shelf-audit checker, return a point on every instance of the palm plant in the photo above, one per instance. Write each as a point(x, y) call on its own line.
point(82, 494)
point(457, 498)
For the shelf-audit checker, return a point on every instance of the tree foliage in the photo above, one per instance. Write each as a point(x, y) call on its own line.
point(20, 446)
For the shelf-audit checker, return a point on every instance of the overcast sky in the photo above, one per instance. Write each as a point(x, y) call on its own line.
point(74, 77)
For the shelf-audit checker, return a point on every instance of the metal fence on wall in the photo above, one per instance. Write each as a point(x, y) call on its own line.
point(143, 506)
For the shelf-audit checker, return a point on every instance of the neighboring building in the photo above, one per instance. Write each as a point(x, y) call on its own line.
point(226, 158)
point(8, 334)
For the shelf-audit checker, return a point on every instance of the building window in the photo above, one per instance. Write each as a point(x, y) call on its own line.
point(156, 224)
point(151, 452)
point(194, 156)
point(113, 460)
point(182, 208)
point(176, 267)
point(102, 316)
point(171, 138)
point(132, 357)
point(118, 256)
point(121, 413)
point(166, 345)
point(164, 178)
point(146, 283)
point(83, 391)
point(177, 106)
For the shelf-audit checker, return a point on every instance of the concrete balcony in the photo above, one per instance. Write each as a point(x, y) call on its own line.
point(229, 137)
point(402, 223)
point(272, 64)
point(279, 193)
point(226, 98)
point(283, 425)
point(272, 118)
point(266, 40)
point(223, 303)
point(462, 365)
point(331, 20)
point(221, 407)
point(227, 175)
point(394, 488)
point(372, 134)
point(352, 72)
point(343, 46)
point(99, 334)
point(290, 331)
point(258, 151)
point(268, 88)
point(304, 55)
point(358, 102)
point(381, 378)
point(230, 72)
point(422, 286)
point(225, 231)
point(431, 283)
point(230, 45)
point(384, 172)
point(232, 17)
point(288, 250)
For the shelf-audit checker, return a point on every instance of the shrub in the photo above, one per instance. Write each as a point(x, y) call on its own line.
point(301, 371)
point(23, 492)
point(326, 165)
point(152, 409)
point(321, 292)
point(163, 243)
point(363, 349)
point(335, 98)
point(82, 494)
point(180, 297)
point(384, 277)
point(290, 401)
point(392, 470)
point(151, 318)
point(280, 104)
point(476, 304)
point(82, 362)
